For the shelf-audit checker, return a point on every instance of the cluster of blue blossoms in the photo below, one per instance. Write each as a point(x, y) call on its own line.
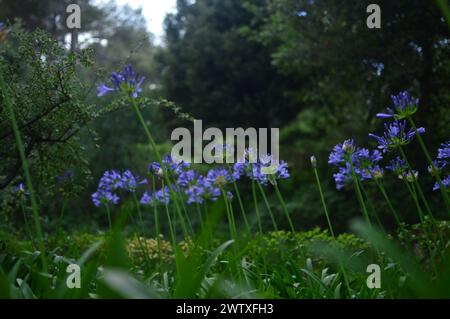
point(126, 80)
point(442, 163)
point(195, 188)
point(113, 181)
point(351, 159)
point(365, 164)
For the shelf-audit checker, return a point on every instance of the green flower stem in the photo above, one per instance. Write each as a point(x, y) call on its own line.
point(231, 225)
point(241, 205)
point(188, 219)
point(359, 195)
point(144, 247)
point(200, 217)
point(157, 229)
point(159, 159)
point(27, 225)
point(255, 202)
point(430, 162)
point(388, 201)
point(266, 202)
point(232, 215)
point(413, 194)
point(371, 206)
point(169, 219)
point(416, 183)
point(26, 170)
point(108, 213)
point(283, 206)
point(325, 209)
point(322, 198)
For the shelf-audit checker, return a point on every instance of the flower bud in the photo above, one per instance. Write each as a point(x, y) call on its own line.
point(313, 161)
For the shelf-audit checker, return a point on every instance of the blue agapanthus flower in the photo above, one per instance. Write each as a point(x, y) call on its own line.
point(161, 196)
point(239, 170)
point(111, 180)
point(342, 152)
point(170, 165)
point(443, 158)
point(343, 176)
point(400, 168)
point(445, 183)
point(404, 105)
point(131, 182)
point(442, 163)
point(395, 135)
point(397, 166)
point(352, 159)
point(102, 196)
point(186, 178)
point(219, 176)
point(263, 170)
point(203, 189)
point(126, 81)
point(444, 151)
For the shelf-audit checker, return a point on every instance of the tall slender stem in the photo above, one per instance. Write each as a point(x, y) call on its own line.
point(157, 230)
point(324, 205)
point(144, 246)
point(359, 195)
point(322, 198)
point(266, 202)
point(283, 206)
point(241, 205)
point(25, 219)
point(430, 162)
point(169, 219)
point(231, 225)
point(388, 201)
point(414, 179)
point(371, 206)
point(108, 213)
point(416, 201)
point(255, 202)
point(200, 217)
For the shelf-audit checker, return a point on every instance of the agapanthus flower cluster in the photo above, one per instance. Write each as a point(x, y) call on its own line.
point(113, 181)
point(395, 135)
point(169, 166)
point(161, 196)
point(351, 159)
point(124, 81)
point(265, 170)
point(399, 167)
point(442, 163)
point(195, 188)
point(404, 105)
